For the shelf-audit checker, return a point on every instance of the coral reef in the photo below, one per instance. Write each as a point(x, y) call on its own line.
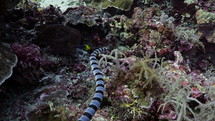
point(160, 65)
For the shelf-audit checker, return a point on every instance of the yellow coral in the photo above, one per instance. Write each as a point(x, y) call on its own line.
point(133, 108)
point(145, 71)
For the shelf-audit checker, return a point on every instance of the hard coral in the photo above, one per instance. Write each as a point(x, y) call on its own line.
point(7, 61)
point(60, 39)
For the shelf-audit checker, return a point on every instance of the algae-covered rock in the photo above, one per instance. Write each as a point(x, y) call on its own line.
point(119, 4)
point(206, 24)
point(7, 61)
point(43, 113)
point(81, 15)
point(56, 96)
point(189, 2)
point(204, 17)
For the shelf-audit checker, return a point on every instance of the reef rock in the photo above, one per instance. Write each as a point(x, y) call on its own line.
point(7, 61)
point(43, 113)
point(7, 4)
point(59, 39)
point(80, 15)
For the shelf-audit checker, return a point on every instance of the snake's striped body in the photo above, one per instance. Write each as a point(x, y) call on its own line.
point(98, 96)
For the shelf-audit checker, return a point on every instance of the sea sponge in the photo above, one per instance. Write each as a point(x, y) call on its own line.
point(60, 39)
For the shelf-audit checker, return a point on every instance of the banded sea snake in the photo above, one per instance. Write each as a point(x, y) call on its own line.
point(98, 96)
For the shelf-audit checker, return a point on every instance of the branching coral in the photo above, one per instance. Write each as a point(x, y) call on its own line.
point(115, 56)
point(131, 111)
point(179, 97)
point(180, 90)
point(184, 38)
point(186, 35)
point(181, 33)
point(135, 88)
point(145, 72)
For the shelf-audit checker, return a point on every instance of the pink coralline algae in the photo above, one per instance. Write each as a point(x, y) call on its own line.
point(78, 67)
point(27, 53)
point(123, 94)
point(29, 63)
